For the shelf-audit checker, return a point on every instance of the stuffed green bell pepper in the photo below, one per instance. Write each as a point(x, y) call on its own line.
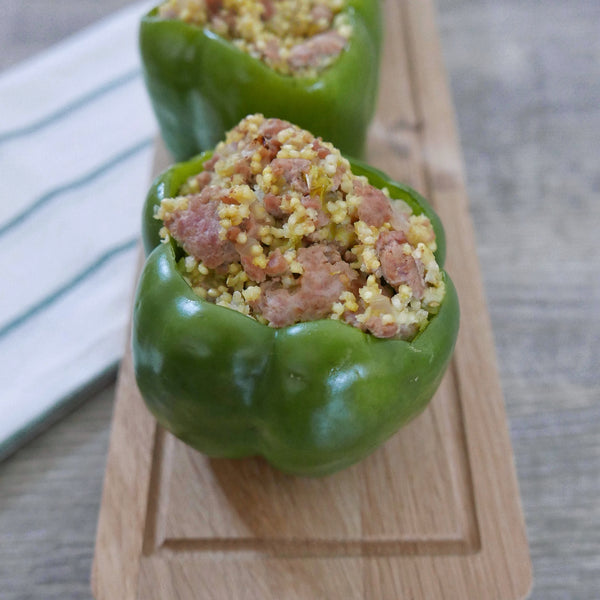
point(293, 303)
point(209, 63)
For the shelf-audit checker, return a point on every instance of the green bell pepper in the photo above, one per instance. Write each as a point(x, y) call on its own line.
point(201, 85)
point(311, 398)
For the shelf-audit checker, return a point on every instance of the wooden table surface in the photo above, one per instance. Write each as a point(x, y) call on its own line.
point(525, 78)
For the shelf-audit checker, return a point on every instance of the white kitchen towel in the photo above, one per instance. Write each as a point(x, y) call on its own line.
point(76, 145)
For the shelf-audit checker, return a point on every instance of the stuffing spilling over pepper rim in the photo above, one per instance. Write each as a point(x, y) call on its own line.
point(278, 228)
point(293, 37)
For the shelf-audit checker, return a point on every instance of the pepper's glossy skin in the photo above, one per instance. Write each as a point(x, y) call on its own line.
point(201, 85)
point(311, 398)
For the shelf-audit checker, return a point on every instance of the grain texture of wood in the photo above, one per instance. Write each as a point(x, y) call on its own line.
point(526, 86)
point(434, 513)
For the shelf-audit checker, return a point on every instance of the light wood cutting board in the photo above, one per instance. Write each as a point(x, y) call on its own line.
point(434, 514)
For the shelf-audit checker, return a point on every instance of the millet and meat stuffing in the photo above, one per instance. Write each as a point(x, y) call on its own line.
point(278, 228)
point(297, 37)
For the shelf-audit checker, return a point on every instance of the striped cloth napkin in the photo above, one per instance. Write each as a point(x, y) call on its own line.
point(76, 145)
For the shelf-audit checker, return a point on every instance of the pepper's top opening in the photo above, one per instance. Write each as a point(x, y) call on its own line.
point(293, 37)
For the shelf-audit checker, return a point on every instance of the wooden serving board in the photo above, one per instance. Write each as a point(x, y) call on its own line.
point(433, 514)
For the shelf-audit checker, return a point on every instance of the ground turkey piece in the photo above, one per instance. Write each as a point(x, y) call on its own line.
point(380, 329)
point(313, 52)
point(277, 264)
point(325, 277)
point(203, 179)
point(294, 171)
point(375, 208)
point(255, 272)
point(273, 205)
point(198, 228)
point(399, 268)
point(271, 127)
